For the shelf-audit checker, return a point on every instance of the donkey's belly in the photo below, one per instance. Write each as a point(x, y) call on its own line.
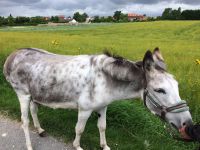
point(55, 105)
point(55, 94)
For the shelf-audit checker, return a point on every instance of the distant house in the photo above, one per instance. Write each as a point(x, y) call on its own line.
point(61, 18)
point(73, 22)
point(69, 19)
point(88, 20)
point(136, 17)
point(46, 18)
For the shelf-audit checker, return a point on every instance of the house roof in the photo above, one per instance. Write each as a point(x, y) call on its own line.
point(134, 15)
point(61, 16)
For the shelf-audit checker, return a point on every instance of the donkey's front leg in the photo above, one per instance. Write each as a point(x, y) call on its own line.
point(102, 127)
point(80, 126)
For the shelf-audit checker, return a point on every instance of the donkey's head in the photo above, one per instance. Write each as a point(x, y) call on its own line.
point(161, 95)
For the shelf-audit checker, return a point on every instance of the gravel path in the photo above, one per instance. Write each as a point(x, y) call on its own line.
point(12, 138)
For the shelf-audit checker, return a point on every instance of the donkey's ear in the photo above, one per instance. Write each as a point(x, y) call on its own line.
point(148, 61)
point(157, 56)
point(158, 59)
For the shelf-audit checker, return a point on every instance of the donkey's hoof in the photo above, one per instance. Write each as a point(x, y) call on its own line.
point(43, 134)
point(79, 148)
point(105, 148)
point(29, 147)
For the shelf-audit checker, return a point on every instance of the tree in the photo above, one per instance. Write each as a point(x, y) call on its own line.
point(123, 17)
point(77, 16)
point(3, 21)
point(109, 19)
point(96, 19)
point(167, 13)
point(176, 14)
point(80, 17)
point(84, 17)
point(54, 19)
point(179, 13)
point(117, 15)
point(37, 20)
point(22, 20)
point(10, 20)
point(120, 17)
point(191, 14)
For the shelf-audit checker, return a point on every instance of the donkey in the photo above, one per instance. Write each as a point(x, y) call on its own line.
point(89, 83)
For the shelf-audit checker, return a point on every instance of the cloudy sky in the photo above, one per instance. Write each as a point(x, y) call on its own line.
point(92, 7)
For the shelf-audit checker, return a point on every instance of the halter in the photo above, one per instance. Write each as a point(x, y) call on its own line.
point(175, 108)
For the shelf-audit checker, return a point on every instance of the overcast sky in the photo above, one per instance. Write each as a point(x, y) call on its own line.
point(91, 7)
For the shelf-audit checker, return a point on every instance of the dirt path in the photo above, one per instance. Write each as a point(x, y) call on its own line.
point(12, 138)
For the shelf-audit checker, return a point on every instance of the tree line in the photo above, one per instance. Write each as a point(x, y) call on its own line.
point(17, 21)
point(177, 14)
point(25, 21)
point(118, 16)
point(21, 20)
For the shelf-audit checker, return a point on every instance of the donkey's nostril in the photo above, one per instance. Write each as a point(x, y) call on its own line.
point(187, 123)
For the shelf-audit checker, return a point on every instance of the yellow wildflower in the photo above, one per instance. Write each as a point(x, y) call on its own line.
point(198, 61)
point(55, 42)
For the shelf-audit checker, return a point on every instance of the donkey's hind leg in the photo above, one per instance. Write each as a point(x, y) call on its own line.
point(24, 100)
point(34, 110)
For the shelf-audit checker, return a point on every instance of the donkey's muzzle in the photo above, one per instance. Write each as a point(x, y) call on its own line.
point(193, 132)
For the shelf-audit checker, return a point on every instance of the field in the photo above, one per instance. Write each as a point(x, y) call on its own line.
point(129, 125)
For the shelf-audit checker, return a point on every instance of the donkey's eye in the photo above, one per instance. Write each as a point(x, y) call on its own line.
point(160, 91)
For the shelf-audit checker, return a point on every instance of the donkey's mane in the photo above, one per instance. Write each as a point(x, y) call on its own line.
point(121, 61)
point(121, 68)
point(118, 59)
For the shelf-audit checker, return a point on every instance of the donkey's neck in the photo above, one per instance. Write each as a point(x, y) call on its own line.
point(125, 78)
point(121, 90)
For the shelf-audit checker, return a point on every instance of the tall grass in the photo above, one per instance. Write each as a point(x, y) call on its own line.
point(130, 125)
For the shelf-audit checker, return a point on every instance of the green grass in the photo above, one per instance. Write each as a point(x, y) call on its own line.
point(130, 125)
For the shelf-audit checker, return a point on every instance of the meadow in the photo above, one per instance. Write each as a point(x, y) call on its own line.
point(129, 125)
